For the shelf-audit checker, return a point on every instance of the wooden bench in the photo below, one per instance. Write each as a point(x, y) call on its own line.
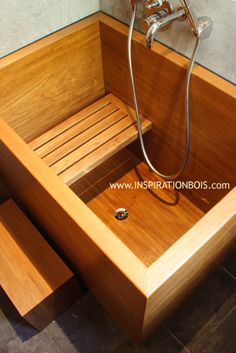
point(87, 139)
point(33, 276)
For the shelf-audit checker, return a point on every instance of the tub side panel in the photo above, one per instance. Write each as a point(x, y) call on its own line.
point(112, 272)
point(190, 260)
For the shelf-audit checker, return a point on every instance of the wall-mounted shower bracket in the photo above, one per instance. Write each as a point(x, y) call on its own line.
point(201, 27)
point(205, 27)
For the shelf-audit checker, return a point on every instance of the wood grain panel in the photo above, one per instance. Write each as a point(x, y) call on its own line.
point(160, 78)
point(4, 192)
point(54, 143)
point(101, 154)
point(184, 265)
point(122, 282)
point(88, 138)
point(49, 81)
point(47, 142)
point(87, 242)
point(157, 218)
point(75, 149)
point(31, 271)
point(126, 287)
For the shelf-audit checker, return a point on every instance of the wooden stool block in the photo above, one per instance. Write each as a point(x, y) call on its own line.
point(33, 276)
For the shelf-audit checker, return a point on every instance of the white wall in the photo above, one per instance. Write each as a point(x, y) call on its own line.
point(24, 21)
point(218, 53)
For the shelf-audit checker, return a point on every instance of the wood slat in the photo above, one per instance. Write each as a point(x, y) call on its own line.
point(100, 155)
point(51, 134)
point(80, 143)
point(77, 129)
point(91, 145)
point(82, 139)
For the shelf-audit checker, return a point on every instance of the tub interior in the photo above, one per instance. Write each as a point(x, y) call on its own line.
point(157, 216)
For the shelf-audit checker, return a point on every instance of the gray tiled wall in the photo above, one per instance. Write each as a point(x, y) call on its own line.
point(218, 53)
point(24, 21)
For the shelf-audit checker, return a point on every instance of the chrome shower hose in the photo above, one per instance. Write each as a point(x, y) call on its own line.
point(187, 113)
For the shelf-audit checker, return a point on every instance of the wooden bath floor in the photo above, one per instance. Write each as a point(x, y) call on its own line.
point(157, 218)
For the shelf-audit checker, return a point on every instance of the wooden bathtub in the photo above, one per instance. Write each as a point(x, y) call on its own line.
point(143, 267)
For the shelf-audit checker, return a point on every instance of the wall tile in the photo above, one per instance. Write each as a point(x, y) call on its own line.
point(24, 21)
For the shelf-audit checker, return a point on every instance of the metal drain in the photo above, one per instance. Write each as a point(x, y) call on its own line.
point(121, 214)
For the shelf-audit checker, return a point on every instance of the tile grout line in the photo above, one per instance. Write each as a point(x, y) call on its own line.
point(228, 272)
point(176, 339)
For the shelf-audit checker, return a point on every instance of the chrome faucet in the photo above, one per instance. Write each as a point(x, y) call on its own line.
point(159, 23)
point(162, 14)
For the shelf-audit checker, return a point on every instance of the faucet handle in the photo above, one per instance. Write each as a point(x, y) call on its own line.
point(157, 10)
point(149, 21)
point(152, 6)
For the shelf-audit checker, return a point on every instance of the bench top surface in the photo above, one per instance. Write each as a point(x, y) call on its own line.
point(30, 270)
point(79, 144)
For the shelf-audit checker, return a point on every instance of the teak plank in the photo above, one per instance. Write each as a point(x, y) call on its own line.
point(51, 80)
point(85, 141)
point(43, 141)
point(35, 279)
point(100, 155)
point(160, 77)
point(80, 143)
point(139, 297)
point(157, 218)
point(4, 192)
point(89, 244)
point(76, 130)
point(92, 145)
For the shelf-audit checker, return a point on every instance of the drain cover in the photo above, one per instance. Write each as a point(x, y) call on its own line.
point(121, 214)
